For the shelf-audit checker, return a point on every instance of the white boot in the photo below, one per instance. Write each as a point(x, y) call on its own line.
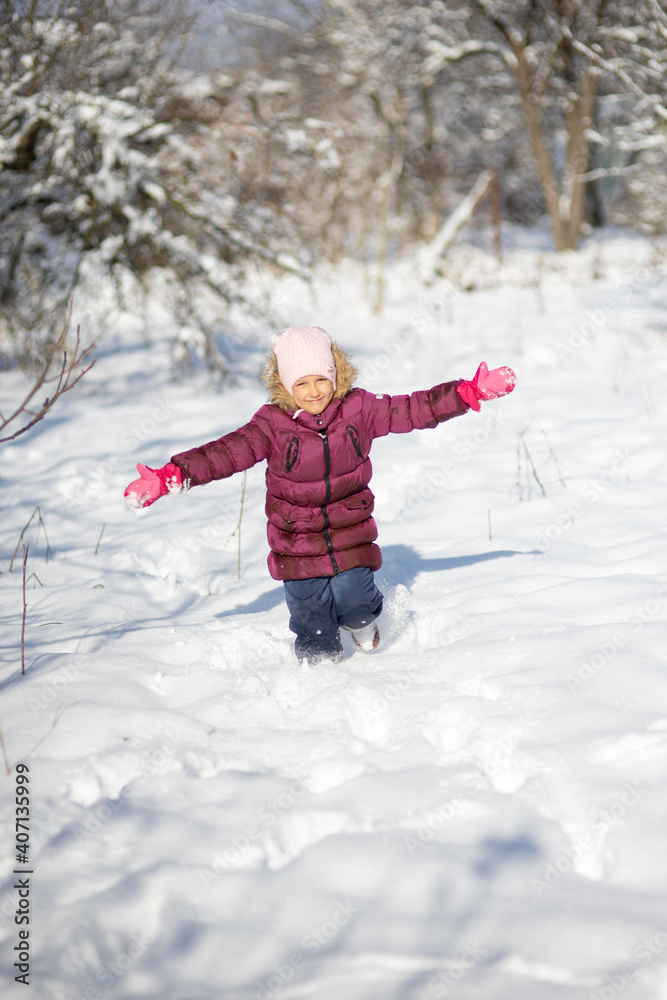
point(367, 638)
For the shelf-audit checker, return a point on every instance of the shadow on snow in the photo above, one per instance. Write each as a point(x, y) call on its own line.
point(401, 565)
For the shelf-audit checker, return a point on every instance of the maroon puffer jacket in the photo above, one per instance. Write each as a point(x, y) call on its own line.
point(318, 502)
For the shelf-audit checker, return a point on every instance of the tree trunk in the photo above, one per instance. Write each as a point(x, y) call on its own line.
point(565, 204)
point(389, 181)
point(394, 123)
point(540, 147)
point(578, 155)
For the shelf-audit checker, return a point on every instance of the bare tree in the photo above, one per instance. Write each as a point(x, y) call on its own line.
point(334, 117)
point(59, 371)
point(100, 158)
point(454, 88)
point(562, 54)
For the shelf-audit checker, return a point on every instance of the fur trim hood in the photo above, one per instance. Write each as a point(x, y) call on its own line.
point(346, 373)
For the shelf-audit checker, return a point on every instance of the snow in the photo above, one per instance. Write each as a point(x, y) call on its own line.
point(474, 810)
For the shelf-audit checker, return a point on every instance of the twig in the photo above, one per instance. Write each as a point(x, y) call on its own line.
point(530, 462)
point(496, 216)
point(552, 455)
point(518, 466)
point(25, 528)
point(238, 526)
point(236, 240)
point(531, 470)
point(646, 397)
point(65, 380)
point(100, 538)
point(25, 608)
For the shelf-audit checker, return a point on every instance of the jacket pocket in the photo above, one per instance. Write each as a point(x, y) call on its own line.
point(354, 438)
point(292, 453)
point(359, 501)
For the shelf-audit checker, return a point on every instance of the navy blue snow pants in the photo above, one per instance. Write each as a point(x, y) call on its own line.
point(320, 606)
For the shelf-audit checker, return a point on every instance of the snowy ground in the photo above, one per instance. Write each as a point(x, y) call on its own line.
point(477, 810)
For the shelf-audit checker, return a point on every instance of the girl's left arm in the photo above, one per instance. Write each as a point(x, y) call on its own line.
point(418, 410)
point(430, 407)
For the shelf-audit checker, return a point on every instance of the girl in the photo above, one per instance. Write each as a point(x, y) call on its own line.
point(316, 434)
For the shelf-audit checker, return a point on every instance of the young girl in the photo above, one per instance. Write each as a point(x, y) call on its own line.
point(316, 434)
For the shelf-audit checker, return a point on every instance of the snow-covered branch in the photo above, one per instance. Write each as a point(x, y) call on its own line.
point(600, 172)
point(273, 24)
point(431, 255)
point(443, 56)
point(616, 67)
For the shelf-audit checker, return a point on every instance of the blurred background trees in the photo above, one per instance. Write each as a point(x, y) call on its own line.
point(145, 142)
point(103, 174)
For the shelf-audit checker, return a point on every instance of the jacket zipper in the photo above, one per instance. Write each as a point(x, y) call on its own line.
point(327, 496)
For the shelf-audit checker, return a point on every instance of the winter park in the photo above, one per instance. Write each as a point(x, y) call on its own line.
point(280, 720)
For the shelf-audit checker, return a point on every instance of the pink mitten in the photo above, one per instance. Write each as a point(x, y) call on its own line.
point(153, 484)
point(486, 385)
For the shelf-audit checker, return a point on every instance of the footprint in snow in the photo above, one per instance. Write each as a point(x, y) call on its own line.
point(370, 714)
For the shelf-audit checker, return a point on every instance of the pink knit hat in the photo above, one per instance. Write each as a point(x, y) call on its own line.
point(301, 351)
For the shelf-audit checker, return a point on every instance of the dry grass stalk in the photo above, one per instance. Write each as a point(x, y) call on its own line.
point(25, 528)
point(25, 608)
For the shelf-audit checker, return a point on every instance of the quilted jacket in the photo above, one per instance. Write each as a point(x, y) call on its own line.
point(318, 502)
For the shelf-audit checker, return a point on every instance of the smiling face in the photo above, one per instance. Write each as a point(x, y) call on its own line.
point(312, 393)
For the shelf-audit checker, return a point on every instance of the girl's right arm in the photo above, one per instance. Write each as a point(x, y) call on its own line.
point(218, 459)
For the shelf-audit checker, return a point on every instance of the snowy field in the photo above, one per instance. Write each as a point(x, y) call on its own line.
point(478, 809)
